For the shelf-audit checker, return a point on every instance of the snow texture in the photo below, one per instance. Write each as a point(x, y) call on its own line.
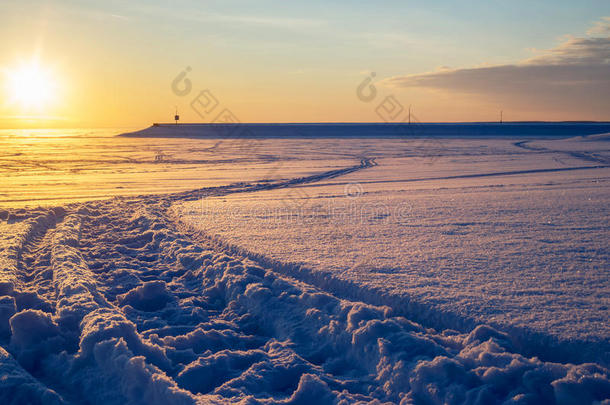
point(174, 319)
point(491, 232)
point(123, 302)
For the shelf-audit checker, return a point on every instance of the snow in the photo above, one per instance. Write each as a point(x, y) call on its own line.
point(150, 296)
point(40, 167)
point(509, 237)
point(244, 289)
point(18, 386)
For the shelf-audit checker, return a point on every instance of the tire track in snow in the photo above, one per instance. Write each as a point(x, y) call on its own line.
point(35, 265)
point(148, 311)
point(231, 328)
point(25, 270)
point(588, 157)
point(365, 163)
point(207, 317)
point(25, 264)
point(464, 176)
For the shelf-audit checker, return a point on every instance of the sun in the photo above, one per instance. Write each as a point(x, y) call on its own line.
point(31, 86)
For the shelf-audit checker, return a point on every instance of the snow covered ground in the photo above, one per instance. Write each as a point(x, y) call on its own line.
point(53, 167)
point(447, 271)
point(457, 243)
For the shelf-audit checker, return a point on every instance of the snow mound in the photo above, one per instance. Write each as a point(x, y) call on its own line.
point(150, 296)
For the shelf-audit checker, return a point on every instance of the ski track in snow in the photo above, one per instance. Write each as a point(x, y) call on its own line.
point(119, 302)
point(586, 156)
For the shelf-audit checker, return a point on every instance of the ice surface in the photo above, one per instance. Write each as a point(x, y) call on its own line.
point(144, 299)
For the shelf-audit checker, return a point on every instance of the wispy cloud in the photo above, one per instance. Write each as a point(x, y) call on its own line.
point(119, 17)
point(601, 27)
point(284, 22)
point(578, 70)
point(287, 22)
point(576, 51)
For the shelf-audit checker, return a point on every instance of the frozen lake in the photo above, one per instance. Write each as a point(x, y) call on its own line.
point(181, 268)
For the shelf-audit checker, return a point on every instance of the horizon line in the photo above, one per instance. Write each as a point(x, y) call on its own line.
point(383, 123)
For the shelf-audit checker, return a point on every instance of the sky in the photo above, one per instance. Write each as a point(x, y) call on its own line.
point(128, 64)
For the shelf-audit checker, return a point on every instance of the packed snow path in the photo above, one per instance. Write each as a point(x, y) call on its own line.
point(118, 302)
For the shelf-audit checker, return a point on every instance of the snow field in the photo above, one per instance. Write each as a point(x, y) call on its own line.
point(145, 310)
point(526, 253)
point(131, 301)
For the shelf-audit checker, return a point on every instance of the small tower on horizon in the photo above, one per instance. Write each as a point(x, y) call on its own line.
point(501, 116)
point(176, 116)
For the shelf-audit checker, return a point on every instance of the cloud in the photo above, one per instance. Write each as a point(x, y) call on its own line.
point(280, 22)
point(601, 27)
point(576, 51)
point(577, 72)
point(284, 22)
point(119, 17)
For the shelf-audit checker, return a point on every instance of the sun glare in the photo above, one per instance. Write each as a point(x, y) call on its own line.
point(31, 87)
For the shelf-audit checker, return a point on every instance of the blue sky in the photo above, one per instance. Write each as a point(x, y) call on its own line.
point(277, 61)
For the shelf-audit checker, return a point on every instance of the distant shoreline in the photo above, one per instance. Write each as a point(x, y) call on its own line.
point(513, 129)
point(382, 123)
